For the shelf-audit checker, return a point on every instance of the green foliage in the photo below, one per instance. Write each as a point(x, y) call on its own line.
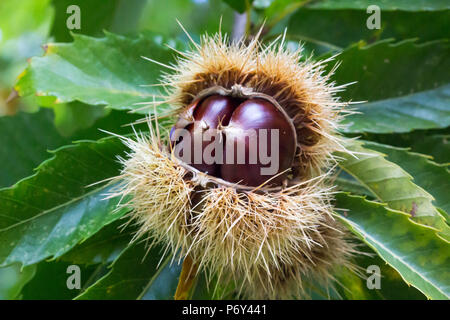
point(114, 79)
point(393, 287)
point(413, 250)
point(437, 146)
point(427, 174)
point(33, 16)
point(278, 8)
point(22, 32)
point(391, 184)
point(418, 5)
point(103, 247)
point(25, 139)
point(343, 27)
point(12, 280)
point(90, 79)
point(425, 110)
point(433, 143)
point(53, 277)
point(118, 16)
point(160, 17)
point(137, 274)
point(21, 153)
point(345, 181)
point(65, 207)
point(409, 67)
point(239, 5)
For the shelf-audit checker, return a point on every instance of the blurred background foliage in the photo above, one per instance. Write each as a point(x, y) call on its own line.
point(323, 29)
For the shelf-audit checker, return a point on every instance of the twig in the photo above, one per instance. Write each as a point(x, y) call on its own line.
point(187, 279)
point(239, 26)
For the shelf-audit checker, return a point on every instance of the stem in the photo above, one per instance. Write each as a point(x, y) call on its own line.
point(187, 279)
point(249, 19)
point(10, 105)
point(239, 26)
point(242, 24)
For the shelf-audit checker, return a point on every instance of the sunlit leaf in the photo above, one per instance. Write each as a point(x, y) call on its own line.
point(48, 213)
point(392, 185)
point(413, 250)
point(108, 71)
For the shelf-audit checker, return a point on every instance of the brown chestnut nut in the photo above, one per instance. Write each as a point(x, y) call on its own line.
point(256, 140)
point(207, 115)
point(266, 140)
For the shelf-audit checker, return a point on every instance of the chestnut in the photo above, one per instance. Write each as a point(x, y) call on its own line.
point(255, 138)
point(207, 115)
point(267, 134)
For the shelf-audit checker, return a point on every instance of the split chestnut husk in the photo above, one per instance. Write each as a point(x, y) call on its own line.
point(271, 235)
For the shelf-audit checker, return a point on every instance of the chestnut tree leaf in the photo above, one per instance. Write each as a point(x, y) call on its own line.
point(392, 285)
point(12, 280)
point(387, 70)
point(350, 19)
point(23, 28)
point(427, 174)
point(96, 15)
point(436, 145)
point(107, 71)
point(103, 247)
point(30, 16)
point(391, 185)
point(346, 182)
point(50, 281)
point(432, 143)
point(423, 110)
point(412, 249)
point(48, 213)
point(406, 5)
point(25, 139)
point(137, 274)
point(278, 9)
point(342, 28)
